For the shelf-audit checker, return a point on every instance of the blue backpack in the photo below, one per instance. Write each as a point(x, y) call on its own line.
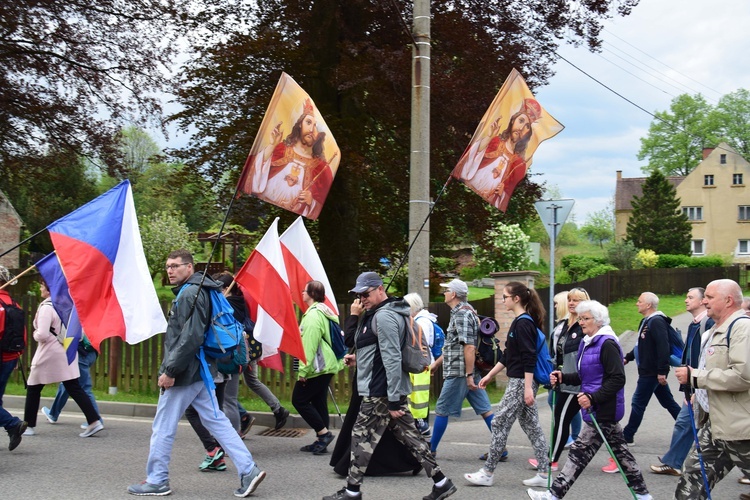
point(544, 365)
point(223, 336)
point(337, 339)
point(438, 341)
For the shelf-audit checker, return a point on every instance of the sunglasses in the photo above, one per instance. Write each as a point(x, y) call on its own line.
point(364, 295)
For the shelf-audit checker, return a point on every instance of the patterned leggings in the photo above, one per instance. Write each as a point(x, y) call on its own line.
point(513, 407)
point(584, 449)
point(372, 420)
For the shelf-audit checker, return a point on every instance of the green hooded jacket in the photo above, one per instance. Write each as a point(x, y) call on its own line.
point(316, 340)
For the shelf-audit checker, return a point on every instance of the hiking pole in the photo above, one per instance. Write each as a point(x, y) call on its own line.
point(688, 397)
point(335, 404)
point(612, 453)
point(551, 437)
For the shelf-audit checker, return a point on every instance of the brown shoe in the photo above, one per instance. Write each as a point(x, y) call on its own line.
point(744, 496)
point(665, 469)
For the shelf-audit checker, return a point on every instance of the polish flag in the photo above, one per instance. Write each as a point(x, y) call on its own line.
point(101, 255)
point(263, 276)
point(272, 361)
point(303, 264)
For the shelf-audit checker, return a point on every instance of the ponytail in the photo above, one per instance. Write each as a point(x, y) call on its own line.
point(529, 300)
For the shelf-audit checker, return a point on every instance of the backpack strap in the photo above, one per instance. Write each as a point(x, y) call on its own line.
point(729, 330)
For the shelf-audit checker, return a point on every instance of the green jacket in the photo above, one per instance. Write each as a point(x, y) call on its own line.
point(316, 340)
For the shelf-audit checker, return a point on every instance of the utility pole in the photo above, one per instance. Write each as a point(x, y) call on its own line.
point(419, 173)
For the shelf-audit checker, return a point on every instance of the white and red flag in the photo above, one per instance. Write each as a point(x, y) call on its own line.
point(264, 278)
point(303, 264)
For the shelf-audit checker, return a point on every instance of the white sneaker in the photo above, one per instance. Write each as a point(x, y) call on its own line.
point(29, 432)
point(84, 426)
point(92, 429)
point(647, 496)
point(540, 495)
point(481, 478)
point(538, 480)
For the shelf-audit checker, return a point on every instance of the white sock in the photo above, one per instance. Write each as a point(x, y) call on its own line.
point(647, 496)
point(440, 483)
point(351, 493)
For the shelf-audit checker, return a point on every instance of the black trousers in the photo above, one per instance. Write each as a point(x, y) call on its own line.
point(34, 395)
point(310, 399)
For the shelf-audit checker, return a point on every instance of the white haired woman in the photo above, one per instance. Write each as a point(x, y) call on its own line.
point(601, 375)
point(419, 399)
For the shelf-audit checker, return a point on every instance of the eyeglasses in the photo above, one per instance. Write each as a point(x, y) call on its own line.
point(506, 297)
point(172, 267)
point(581, 318)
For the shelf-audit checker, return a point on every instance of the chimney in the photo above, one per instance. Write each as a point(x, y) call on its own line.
point(706, 152)
point(619, 175)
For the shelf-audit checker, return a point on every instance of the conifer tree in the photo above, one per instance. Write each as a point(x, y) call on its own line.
point(657, 223)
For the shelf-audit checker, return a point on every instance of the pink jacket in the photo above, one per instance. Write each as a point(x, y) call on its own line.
point(50, 363)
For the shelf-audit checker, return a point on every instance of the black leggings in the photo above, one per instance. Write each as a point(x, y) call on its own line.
point(34, 394)
point(566, 407)
point(310, 399)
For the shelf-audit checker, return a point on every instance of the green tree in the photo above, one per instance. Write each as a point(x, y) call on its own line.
point(354, 58)
point(72, 72)
point(161, 233)
point(506, 248)
point(734, 115)
point(600, 226)
point(657, 223)
point(138, 150)
point(676, 138)
point(622, 254)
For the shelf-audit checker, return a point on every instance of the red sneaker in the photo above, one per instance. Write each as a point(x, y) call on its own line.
point(534, 464)
point(611, 467)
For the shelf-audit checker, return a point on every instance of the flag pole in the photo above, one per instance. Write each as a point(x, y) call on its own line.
point(11, 282)
point(419, 231)
point(22, 242)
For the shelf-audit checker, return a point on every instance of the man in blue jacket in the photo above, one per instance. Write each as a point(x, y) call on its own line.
point(181, 384)
point(652, 346)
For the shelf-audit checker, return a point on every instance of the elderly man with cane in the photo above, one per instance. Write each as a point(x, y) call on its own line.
point(722, 389)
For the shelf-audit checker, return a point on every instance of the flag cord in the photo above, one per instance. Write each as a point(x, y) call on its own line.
point(429, 214)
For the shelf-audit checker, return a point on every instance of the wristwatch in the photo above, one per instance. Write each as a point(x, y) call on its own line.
point(469, 375)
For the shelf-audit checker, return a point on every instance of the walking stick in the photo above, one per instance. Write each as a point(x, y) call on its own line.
point(612, 453)
point(335, 404)
point(688, 397)
point(551, 438)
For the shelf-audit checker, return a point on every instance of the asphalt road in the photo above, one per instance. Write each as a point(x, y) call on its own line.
point(56, 463)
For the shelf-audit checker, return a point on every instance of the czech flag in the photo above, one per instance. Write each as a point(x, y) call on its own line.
point(100, 251)
point(263, 276)
point(303, 264)
point(49, 267)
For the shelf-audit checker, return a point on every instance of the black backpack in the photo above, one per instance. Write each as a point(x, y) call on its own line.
point(12, 338)
point(488, 346)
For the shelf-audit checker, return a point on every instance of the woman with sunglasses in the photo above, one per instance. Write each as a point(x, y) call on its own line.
point(564, 342)
point(519, 400)
point(601, 374)
point(310, 394)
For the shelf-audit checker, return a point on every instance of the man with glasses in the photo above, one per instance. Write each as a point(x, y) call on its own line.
point(182, 386)
point(652, 347)
point(459, 373)
point(384, 387)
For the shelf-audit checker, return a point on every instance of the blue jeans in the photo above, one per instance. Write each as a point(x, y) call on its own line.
point(682, 440)
point(646, 387)
point(84, 380)
point(7, 420)
point(172, 404)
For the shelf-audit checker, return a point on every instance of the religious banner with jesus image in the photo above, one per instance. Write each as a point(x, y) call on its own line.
point(503, 144)
point(294, 157)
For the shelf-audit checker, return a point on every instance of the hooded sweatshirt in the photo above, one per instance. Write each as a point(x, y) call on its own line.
point(316, 340)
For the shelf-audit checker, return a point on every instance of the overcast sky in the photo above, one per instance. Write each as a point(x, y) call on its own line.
point(663, 49)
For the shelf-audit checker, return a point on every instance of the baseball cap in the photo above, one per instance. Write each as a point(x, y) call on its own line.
point(365, 281)
point(457, 286)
